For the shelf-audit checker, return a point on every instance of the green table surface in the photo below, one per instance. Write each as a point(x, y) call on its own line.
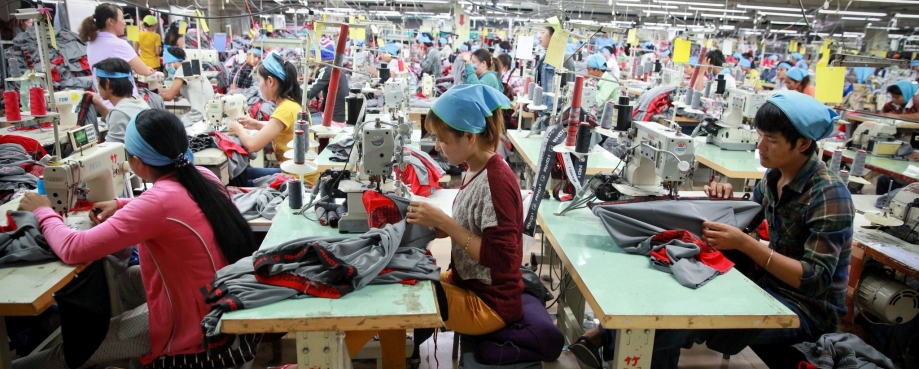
point(733, 164)
point(624, 291)
point(528, 147)
point(374, 307)
point(324, 160)
point(892, 167)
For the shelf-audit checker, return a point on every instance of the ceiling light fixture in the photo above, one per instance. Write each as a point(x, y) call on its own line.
point(757, 7)
point(650, 6)
point(861, 19)
point(666, 12)
point(843, 12)
point(900, 15)
point(717, 10)
point(722, 16)
point(688, 3)
point(784, 14)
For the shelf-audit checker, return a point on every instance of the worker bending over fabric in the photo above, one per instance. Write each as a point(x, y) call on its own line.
point(480, 69)
point(903, 98)
point(113, 76)
point(809, 212)
point(606, 90)
point(184, 208)
point(799, 80)
point(712, 66)
point(198, 92)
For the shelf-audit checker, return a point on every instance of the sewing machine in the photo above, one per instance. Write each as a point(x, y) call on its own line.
point(588, 96)
point(227, 107)
point(671, 77)
point(394, 93)
point(67, 102)
point(154, 81)
point(877, 138)
point(660, 159)
point(96, 173)
point(376, 152)
point(205, 56)
point(427, 86)
point(731, 133)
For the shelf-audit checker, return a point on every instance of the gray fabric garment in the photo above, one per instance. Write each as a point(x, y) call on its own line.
point(884, 200)
point(237, 162)
point(260, 202)
point(458, 71)
point(153, 99)
point(426, 156)
point(12, 175)
point(26, 243)
point(119, 117)
point(685, 268)
point(843, 351)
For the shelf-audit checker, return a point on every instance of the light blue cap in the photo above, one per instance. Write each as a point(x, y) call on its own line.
point(862, 73)
point(255, 51)
point(746, 63)
point(463, 47)
point(597, 61)
point(907, 88)
point(106, 74)
point(693, 60)
point(796, 74)
point(797, 56)
point(648, 45)
point(606, 51)
point(914, 63)
point(665, 53)
point(570, 48)
point(168, 57)
point(274, 66)
point(737, 56)
point(785, 65)
point(135, 145)
point(465, 107)
point(442, 40)
point(811, 118)
point(424, 38)
point(392, 49)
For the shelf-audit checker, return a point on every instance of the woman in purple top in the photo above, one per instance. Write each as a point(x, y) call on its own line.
point(100, 32)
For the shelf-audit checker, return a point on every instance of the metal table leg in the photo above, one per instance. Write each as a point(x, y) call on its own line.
point(633, 348)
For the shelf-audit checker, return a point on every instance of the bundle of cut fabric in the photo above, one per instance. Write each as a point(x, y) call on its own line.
point(262, 201)
point(69, 66)
point(652, 102)
point(422, 174)
point(191, 40)
point(341, 150)
point(260, 108)
point(669, 232)
point(319, 266)
point(22, 241)
point(841, 350)
point(18, 169)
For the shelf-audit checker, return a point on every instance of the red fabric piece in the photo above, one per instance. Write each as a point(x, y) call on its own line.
point(411, 178)
point(228, 145)
point(707, 255)
point(381, 210)
point(10, 224)
point(806, 365)
point(84, 63)
point(29, 144)
point(278, 180)
point(763, 231)
point(33, 169)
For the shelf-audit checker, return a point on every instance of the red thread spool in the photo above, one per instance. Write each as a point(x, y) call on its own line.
point(574, 114)
point(37, 101)
point(11, 105)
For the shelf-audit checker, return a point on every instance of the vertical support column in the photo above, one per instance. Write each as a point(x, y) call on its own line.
point(319, 349)
point(334, 78)
point(633, 348)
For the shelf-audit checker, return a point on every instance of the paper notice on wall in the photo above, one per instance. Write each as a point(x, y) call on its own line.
point(555, 54)
point(830, 83)
point(524, 47)
point(183, 27)
point(727, 47)
point(681, 50)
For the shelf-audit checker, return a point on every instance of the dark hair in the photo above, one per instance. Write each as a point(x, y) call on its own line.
point(494, 128)
point(551, 31)
point(769, 118)
point(178, 52)
point(288, 88)
point(505, 61)
point(505, 45)
point(120, 87)
point(91, 25)
point(172, 34)
point(166, 134)
point(894, 90)
point(483, 55)
point(715, 57)
point(612, 51)
point(806, 81)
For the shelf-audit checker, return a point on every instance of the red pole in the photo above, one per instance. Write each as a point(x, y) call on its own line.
point(333, 79)
point(574, 113)
point(695, 72)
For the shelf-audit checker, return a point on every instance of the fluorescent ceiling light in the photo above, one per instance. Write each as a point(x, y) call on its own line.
point(784, 14)
point(789, 23)
point(628, 1)
point(757, 7)
point(688, 3)
point(717, 10)
point(843, 12)
point(422, 1)
point(722, 16)
point(899, 15)
point(786, 31)
point(658, 28)
point(650, 6)
point(477, 18)
point(861, 19)
point(666, 12)
point(420, 13)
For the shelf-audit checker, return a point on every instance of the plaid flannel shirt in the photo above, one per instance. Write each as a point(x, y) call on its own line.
point(243, 76)
point(811, 223)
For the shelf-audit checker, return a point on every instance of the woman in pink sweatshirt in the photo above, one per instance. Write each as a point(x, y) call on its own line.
point(173, 225)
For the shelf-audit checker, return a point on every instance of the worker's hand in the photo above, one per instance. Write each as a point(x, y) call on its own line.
point(248, 122)
point(466, 57)
point(103, 210)
point(32, 201)
point(97, 100)
point(719, 190)
point(425, 214)
point(235, 128)
point(723, 236)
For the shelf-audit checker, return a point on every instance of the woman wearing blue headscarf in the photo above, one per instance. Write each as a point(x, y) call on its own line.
point(606, 90)
point(779, 80)
point(483, 291)
point(903, 98)
point(800, 61)
point(799, 80)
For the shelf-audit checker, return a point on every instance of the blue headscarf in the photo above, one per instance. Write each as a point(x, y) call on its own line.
point(570, 48)
point(648, 45)
point(442, 40)
point(606, 51)
point(737, 56)
point(810, 117)
point(773, 57)
point(796, 74)
point(694, 60)
point(392, 49)
point(274, 66)
point(255, 51)
point(465, 107)
point(665, 53)
point(597, 61)
point(168, 57)
point(862, 73)
point(106, 74)
point(907, 89)
point(785, 65)
point(914, 63)
point(135, 145)
point(746, 63)
point(464, 47)
point(423, 38)
point(797, 56)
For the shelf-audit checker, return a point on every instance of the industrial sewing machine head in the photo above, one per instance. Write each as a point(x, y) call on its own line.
point(878, 138)
point(395, 94)
point(95, 173)
point(659, 160)
point(427, 86)
point(225, 108)
point(900, 217)
point(66, 102)
point(735, 131)
point(154, 81)
point(671, 77)
point(377, 152)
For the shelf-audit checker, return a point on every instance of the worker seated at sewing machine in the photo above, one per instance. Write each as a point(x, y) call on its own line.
point(805, 266)
point(322, 85)
point(277, 81)
point(185, 207)
point(114, 78)
point(185, 79)
point(711, 68)
point(903, 99)
point(242, 79)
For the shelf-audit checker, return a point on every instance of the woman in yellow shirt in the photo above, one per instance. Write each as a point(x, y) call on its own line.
point(149, 45)
point(277, 81)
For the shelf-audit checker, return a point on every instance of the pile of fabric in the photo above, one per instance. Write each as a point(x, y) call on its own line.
point(319, 266)
point(22, 241)
point(270, 191)
point(69, 67)
point(652, 102)
point(422, 174)
point(237, 155)
point(19, 169)
point(841, 350)
point(260, 108)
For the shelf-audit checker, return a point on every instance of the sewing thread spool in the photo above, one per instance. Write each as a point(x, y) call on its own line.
point(722, 84)
point(858, 164)
point(739, 75)
point(302, 122)
point(526, 86)
point(11, 105)
point(537, 95)
point(696, 99)
point(583, 141)
point(687, 100)
point(14, 67)
point(606, 119)
point(623, 114)
point(657, 66)
point(707, 90)
point(844, 175)
point(531, 90)
point(301, 144)
point(37, 101)
point(836, 160)
point(295, 194)
point(574, 113)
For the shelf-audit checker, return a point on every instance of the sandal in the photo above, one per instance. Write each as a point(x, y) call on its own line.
point(586, 352)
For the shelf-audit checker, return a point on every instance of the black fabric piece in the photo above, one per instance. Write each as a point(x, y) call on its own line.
point(85, 312)
point(200, 142)
point(442, 301)
point(533, 286)
point(26, 243)
point(548, 159)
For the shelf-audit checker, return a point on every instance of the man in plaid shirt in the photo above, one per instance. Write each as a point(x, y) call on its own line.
point(242, 79)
